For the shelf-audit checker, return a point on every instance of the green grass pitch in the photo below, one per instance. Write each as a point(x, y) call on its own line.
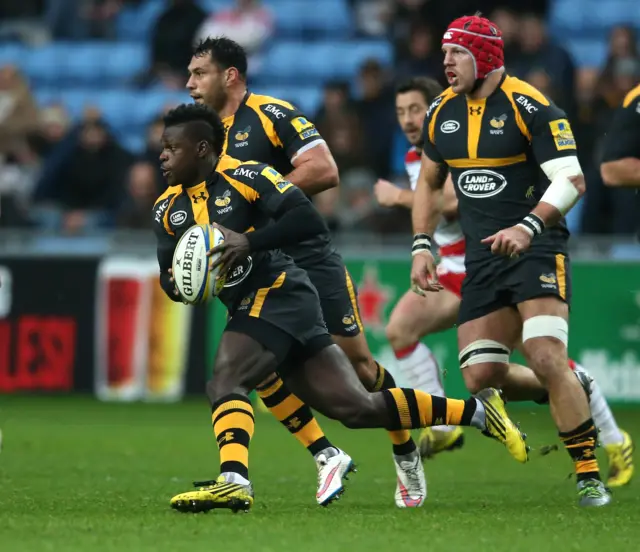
point(78, 475)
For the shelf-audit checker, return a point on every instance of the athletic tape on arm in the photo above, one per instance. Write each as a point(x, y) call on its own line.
point(561, 193)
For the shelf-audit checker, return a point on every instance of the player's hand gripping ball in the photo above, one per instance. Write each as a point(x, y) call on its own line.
point(233, 249)
point(191, 269)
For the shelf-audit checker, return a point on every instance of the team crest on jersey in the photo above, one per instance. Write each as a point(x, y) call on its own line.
point(549, 281)
point(246, 301)
point(349, 321)
point(562, 134)
point(242, 135)
point(224, 201)
point(497, 124)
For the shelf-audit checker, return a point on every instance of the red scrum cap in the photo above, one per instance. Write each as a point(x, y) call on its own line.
point(481, 38)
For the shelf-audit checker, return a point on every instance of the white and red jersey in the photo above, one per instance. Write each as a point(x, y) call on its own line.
point(448, 235)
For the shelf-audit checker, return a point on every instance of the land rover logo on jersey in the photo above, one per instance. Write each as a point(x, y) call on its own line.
point(449, 126)
point(481, 183)
point(178, 218)
point(238, 272)
point(242, 135)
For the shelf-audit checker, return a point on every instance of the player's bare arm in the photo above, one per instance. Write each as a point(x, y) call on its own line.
point(315, 170)
point(449, 199)
point(425, 214)
point(390, 195)
point(623, 173)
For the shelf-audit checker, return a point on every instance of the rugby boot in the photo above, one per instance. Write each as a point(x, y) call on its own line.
point(499, 425)
point(620, 461)
point(411, 486)
point(334, 466)
point(210, 495)
point(433, 441)
point(592, 492)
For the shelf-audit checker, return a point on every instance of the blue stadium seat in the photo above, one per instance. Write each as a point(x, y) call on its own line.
point(135, 23)
point(587, 53)
point(295, 61)
point(44, 65)
point(126, 61)
point(12, 54)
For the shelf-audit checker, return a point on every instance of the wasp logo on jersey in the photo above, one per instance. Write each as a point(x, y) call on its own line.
point(242, 135)
point(223, 201)
point(498, 124)
point(562, 134)
point(276, 179)
point(301, 124)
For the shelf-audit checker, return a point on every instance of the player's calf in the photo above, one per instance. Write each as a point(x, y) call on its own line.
point(544, 340)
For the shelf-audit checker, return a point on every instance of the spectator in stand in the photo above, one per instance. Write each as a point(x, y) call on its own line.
point(171, 42)
point(376, 111)
point(153, 148)
point(249, 23)
point(540, 53)
point(623, 44)
point(86, 184)
point(141, 195)
point(509, 24)
point(424, 57)
point(336, 104)
point(18, 111)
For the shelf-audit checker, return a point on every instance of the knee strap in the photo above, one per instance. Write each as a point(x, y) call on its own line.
point(484, 350)
point(546, 326)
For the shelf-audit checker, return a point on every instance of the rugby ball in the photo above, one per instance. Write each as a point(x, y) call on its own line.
point(195, 282)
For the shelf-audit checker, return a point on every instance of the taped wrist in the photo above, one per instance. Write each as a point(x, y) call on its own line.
point(533, 224)
point(421, 243)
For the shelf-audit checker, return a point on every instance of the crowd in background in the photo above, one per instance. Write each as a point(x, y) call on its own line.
point(67, 175)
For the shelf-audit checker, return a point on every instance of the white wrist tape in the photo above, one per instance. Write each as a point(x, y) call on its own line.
point(561, 193)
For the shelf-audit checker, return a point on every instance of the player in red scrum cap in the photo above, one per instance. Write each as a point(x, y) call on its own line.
point(478, 53)
point(493, 133)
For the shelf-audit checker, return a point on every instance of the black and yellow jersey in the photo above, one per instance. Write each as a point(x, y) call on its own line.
point(241, 196)
point(623, 135)
point(494, 147)
point(274, 131)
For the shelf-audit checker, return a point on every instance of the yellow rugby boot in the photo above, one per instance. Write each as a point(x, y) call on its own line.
point(210, 495)
point(499, 425)
point(620, 461)
point(433, 441)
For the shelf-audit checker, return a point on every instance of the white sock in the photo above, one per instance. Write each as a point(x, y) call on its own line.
point(608, 431)
point(232, 477)
point(420, 370)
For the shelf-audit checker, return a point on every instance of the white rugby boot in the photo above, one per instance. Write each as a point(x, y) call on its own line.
point(411, 487)
point(334, 466)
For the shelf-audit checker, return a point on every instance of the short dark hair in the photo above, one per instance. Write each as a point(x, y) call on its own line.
point(201, 123)
point(429, 88)
point(224, 52)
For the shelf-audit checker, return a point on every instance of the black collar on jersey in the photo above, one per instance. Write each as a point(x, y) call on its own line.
point(208, 180)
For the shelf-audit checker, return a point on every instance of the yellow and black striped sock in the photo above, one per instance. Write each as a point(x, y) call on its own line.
point(401, 439)
point(233, 426)
point(412, 409)
point(293, 414)
point(581, 446)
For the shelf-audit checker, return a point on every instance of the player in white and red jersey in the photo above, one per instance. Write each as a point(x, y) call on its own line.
point(416, 316)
